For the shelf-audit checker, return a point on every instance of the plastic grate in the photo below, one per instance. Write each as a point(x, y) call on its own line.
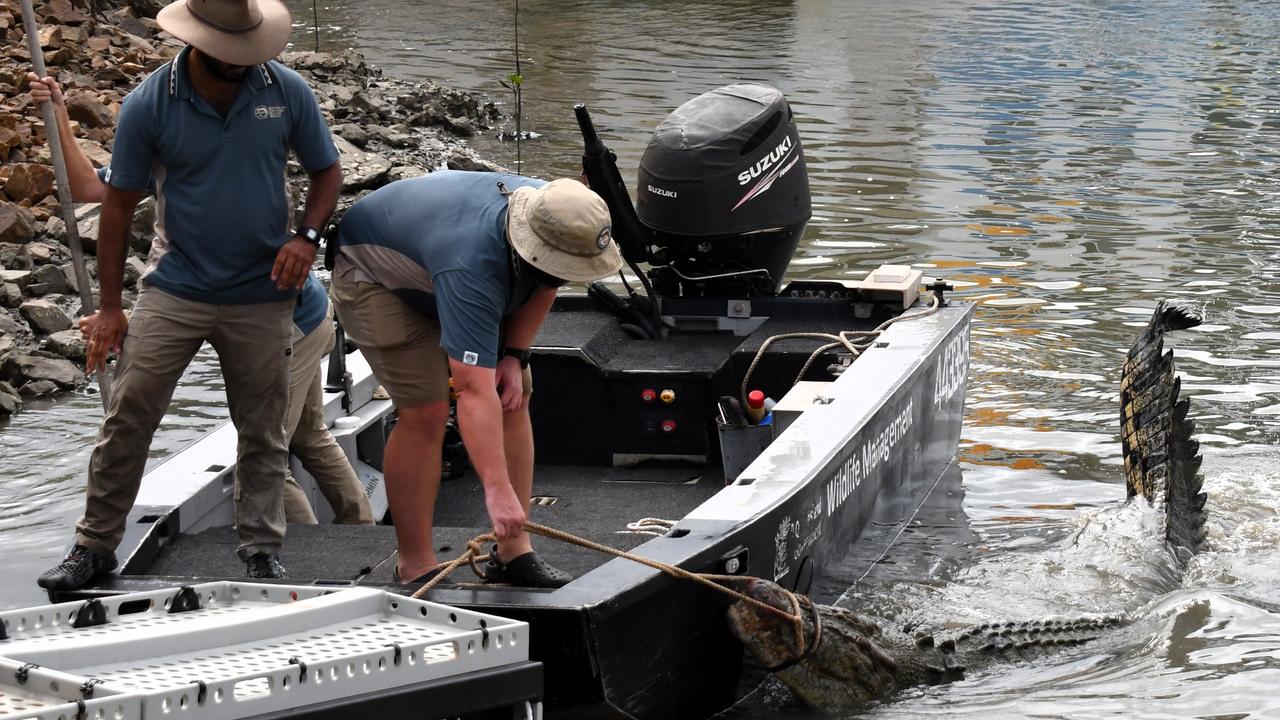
point(173, 671)
point(250, 649)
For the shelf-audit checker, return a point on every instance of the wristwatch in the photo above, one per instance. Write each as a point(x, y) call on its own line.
point(309, 234)
point(518, 354)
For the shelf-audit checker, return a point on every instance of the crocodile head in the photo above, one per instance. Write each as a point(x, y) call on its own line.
point(828, 657)
point(770, 638)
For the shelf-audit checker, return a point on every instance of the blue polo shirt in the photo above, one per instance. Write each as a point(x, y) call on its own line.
point(313, 303)
point(222, 207)
point(439, 242)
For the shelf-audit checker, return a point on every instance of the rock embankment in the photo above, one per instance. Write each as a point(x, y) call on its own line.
point(385, 129)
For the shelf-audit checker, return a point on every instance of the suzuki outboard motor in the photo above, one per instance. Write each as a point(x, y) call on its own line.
point(724, 192)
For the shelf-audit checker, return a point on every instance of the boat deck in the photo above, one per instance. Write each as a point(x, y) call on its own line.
point(594, 503)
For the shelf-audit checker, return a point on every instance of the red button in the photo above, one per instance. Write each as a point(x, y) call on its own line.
point(648, 395)
point(668, 426)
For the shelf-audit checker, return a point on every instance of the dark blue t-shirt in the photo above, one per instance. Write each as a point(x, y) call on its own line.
point(439, 242)
point(222, 208)
point(313, 302)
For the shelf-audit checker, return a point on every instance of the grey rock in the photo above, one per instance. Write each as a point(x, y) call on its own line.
point(13, 257)
point(404, 172)
point(69, 272)
point(21, 278)
point(38, 388)
point(146, 8)
point(143, 228)
point(88, 109)
point(39, 253)
point(133, 269)
point(10, 295)
point(369, 103)
point(10, 401)
point(48, 279)
point(44, 316)
point(360, 170)
point(68, 344)
point(396, 136)
point(13, 327)
point(86, 228)
point(353, 133)
point(59, 371)
point(460, 160)
point(17, 224)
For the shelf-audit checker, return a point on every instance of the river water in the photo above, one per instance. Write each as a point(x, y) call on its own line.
point(1064, 164)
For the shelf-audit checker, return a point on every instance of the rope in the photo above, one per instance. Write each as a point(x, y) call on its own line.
point(475, 549)
point(649, 526)
point(855, 341)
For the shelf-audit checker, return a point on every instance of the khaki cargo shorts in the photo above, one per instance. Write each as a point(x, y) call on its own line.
point(401, 344)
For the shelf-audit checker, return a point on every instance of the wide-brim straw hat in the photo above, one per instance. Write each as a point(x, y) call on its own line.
point(239, 32)
point(563, 229)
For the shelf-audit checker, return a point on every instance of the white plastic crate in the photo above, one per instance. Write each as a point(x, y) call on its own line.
point(253, 648)
point(33, 693)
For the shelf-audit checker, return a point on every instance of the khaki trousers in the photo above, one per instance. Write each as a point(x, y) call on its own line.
point(253, 343)
point(310, 440)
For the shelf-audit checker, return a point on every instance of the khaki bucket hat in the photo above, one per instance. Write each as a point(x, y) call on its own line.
point(562, 228)
point(239, 32)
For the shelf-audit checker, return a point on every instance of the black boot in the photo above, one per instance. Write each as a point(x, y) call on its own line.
point(263, 565)
point(80, 567)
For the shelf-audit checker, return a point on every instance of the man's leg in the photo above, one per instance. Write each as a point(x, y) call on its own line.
point(254, 343)
point(309, 436)
point(403, 348)
point(164, 334)
point(321, 455)
point(411, 467)
point(517, 439)
point(518, 563)
point(297, 506)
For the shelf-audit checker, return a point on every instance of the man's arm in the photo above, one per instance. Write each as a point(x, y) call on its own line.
point(520, 329)
point(294, 260)
point(480, 421)
point(85, 184)
point(105, 329)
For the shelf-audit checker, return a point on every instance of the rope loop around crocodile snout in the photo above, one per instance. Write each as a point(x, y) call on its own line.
point(800, 602)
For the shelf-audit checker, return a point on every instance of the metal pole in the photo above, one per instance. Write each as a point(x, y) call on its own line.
point(66, 207)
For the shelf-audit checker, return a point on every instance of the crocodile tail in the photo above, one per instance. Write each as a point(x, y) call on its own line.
point(1161, 457)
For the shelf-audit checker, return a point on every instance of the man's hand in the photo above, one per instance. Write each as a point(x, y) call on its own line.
point(293, 262)
point(505, 511)
point(44, 89)
point(103, 333)
point(510, 384)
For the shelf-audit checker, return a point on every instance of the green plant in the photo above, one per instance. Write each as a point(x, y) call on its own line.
point(514, 82)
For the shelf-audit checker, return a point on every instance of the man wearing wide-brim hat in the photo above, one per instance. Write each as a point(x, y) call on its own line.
point(211, 130)
point(452, 274)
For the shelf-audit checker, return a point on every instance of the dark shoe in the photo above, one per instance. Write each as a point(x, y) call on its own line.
point(263, 565)
point(80, 566)
point(528, 570)
point(420, 580)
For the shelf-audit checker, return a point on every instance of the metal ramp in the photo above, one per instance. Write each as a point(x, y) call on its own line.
point(230, 650)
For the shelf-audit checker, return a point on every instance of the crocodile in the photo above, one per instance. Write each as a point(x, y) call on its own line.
point(836, 657)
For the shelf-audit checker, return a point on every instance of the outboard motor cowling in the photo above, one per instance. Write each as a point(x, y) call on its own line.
point(723, 187)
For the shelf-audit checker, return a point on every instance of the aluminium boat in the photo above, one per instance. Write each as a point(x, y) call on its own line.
point(645, 438)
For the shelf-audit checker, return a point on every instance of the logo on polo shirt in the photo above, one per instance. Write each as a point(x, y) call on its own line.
point(264, 112)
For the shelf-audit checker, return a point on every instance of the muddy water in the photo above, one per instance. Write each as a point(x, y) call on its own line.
point(1065, 165)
